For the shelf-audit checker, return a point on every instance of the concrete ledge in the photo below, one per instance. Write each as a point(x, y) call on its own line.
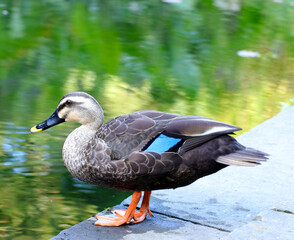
point(269, 225)
point(153, 228)
point(225, 205)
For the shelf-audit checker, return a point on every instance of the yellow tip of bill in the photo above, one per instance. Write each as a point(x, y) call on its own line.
point(34, 129)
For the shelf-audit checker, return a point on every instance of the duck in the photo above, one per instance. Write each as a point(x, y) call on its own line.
point(143, 151)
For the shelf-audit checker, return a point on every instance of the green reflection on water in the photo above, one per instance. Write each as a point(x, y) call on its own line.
point(130, 55)
point(38, 196)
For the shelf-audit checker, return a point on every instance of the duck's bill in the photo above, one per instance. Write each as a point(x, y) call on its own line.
point(34, 129)
point(53, 120)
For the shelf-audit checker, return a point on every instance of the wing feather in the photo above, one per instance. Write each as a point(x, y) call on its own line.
point(128, 133)
point(248, 157)
point(193, 126)
point(133, 132)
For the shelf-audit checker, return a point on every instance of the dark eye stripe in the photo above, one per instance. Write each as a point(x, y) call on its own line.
point(60, 107)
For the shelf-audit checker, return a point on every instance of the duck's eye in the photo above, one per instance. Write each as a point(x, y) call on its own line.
point(68, 103)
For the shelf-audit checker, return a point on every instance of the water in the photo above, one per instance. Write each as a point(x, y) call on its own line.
point(227, 60)
point(38, 195)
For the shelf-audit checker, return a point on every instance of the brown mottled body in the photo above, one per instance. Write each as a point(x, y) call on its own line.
point(112, 156)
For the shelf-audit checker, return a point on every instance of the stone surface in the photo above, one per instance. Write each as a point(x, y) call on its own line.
point(269, 225)
point(160, 226)
point(285, 206)
point(223, 202)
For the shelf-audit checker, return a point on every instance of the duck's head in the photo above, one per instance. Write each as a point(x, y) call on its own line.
point(74, 107)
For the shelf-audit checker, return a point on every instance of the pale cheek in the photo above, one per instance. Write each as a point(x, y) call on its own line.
point(61, 114)
point(73, 117)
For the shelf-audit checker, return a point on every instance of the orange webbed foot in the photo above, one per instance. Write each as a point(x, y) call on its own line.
point(129, 216)
point(110, 221)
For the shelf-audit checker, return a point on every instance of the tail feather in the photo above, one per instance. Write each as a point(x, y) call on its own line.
point(248, 157)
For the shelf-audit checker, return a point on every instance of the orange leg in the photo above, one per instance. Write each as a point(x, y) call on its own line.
point(141, 215)
point(144, 208)
point(120, 220)
point(129, 215)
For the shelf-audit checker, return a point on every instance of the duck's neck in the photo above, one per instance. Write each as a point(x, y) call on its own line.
point(93, 119)
point(75, 143)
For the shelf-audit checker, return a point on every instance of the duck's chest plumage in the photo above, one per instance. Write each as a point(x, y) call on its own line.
point(80, 160)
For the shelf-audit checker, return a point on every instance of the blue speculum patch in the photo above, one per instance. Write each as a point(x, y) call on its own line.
point(162, 144)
